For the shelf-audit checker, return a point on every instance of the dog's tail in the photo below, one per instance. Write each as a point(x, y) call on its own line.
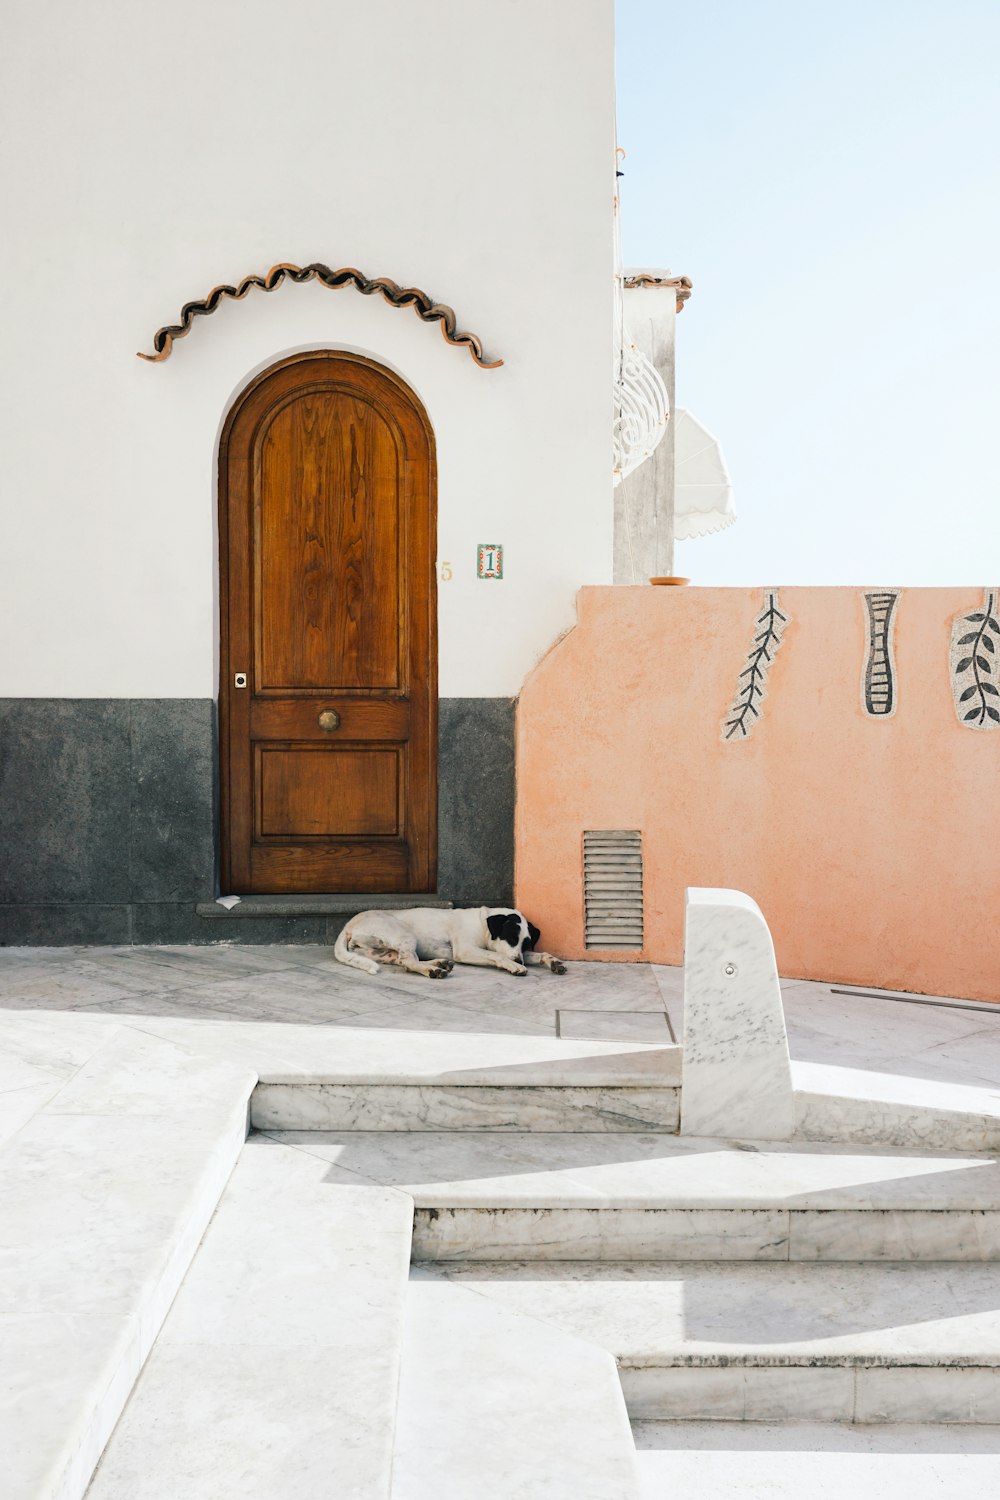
point(342, 951)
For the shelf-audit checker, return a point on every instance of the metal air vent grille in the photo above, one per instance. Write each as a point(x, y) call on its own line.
point(612, 888)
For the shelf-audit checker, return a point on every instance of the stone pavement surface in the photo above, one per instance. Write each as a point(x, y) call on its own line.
point(596, 1001)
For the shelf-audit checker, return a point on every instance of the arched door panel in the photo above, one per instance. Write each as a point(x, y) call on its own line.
point(328, 683)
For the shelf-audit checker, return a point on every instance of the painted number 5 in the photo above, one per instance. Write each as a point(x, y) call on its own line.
point(446, 573)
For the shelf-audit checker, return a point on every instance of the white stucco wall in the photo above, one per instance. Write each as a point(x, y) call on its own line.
point(153, 151)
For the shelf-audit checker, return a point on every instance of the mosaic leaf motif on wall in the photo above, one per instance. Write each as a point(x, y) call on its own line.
point(975, 678)
point(878, 678)
point(751, 690)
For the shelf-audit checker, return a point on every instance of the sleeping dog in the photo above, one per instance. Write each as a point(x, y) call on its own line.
point(431, 941)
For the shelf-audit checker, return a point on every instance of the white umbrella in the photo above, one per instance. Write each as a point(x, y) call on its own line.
point(703, 495)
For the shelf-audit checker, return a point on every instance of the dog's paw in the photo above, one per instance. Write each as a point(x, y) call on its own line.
point(517, 969)
point(440, 971)
point(447, 964)
point(558, 967)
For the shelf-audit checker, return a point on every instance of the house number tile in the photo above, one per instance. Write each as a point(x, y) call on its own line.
point(489, 560)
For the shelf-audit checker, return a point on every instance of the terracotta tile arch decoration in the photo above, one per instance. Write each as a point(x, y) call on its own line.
point(397, 296)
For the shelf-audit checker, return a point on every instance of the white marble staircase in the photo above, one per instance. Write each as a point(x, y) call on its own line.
point(300, 1361)
point(300, 1358)
point(835, 1342)
point(582, 1252)
point(566, 1280)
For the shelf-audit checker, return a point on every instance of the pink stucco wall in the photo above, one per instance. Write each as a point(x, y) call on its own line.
point(871, 845)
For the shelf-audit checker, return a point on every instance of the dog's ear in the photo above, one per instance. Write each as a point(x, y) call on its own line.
point(533, 935)
point(512, 930)
point(495, 923)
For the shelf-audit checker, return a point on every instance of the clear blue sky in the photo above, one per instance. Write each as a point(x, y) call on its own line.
point(828, 176)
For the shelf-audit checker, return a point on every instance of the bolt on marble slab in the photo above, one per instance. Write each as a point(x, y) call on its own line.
point(737, 1078)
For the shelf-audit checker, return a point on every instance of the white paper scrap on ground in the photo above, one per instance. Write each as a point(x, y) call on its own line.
point(227, 901)
point(737, 1077)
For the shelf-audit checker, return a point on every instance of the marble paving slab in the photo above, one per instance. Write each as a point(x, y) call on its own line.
point(614, 1025)
point(689, 1461)
point(357, 1055)
point(493, 1405)
point(780, 1316)
point(104, 1198)
point(649, 1170)
point(276, 1372)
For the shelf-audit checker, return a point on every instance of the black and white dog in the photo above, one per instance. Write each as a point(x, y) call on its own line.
point(431, 941)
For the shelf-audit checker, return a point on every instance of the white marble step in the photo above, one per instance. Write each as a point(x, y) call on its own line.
point(494, 1405)
point(864, 1106)
point(275, 1375)
point(104, 1195)
point(839, 1343)
point(531, 1195)
point(732, 1461)
point(584, 1089)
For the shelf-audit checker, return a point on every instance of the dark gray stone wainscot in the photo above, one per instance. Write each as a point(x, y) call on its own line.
point(108, 821)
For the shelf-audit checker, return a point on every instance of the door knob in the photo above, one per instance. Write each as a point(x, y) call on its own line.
point(328, 719)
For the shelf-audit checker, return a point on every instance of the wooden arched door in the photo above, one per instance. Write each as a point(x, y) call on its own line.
point(328, 684)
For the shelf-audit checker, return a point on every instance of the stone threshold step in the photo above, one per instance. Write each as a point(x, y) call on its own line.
point(277, 1369)
point(317, 906)
point(461, 1107)
point(717, 1342)
point(564, 1196)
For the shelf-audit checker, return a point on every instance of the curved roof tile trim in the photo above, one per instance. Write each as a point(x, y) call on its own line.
point(396, 296)
point(682, 285)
